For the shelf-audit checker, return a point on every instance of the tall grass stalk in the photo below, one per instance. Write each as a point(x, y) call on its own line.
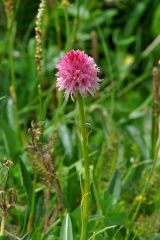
point(76, 25)
point(155, 121)
point(10, 37)
point(3, 220)
point(58, 31)
point(39, 50)
point(38, 58)
point(31, 215)
point(67, 47)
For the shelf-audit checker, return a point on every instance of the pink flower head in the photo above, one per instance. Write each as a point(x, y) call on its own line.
point(77, 72)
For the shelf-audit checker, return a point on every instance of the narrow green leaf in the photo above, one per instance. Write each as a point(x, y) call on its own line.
point(26, 236)
point(115, 186)
point(27, 181)
point(65, 138)
point(12, 143)
point(66, 230)
point(1, 98)
point(10, 108)
point(101, 231)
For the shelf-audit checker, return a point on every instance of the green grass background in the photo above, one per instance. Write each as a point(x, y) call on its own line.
point(124, 36)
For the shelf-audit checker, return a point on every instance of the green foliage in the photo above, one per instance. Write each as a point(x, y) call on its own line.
point(120, 36)
point(155, 22)
point(27, 181)
point(145, 226)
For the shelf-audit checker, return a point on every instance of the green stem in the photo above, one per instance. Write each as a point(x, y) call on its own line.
point(155, 117)
point(58, 31)
point(13, 89)
point(3, 221)
point(76, 24)
point(86, 191)
point(40, 117)
point(30, 221)
point(67, 47)
point(11, 59)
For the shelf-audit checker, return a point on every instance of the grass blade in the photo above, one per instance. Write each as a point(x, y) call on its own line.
point(66, 230)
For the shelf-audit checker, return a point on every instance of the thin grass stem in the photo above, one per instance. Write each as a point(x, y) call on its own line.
point(76, 24)
point(3, 221)
point(154, 144)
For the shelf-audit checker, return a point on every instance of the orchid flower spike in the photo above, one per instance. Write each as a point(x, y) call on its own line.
point(77, 72)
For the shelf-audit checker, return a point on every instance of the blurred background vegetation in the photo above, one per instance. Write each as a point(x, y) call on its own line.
point(124, 38)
